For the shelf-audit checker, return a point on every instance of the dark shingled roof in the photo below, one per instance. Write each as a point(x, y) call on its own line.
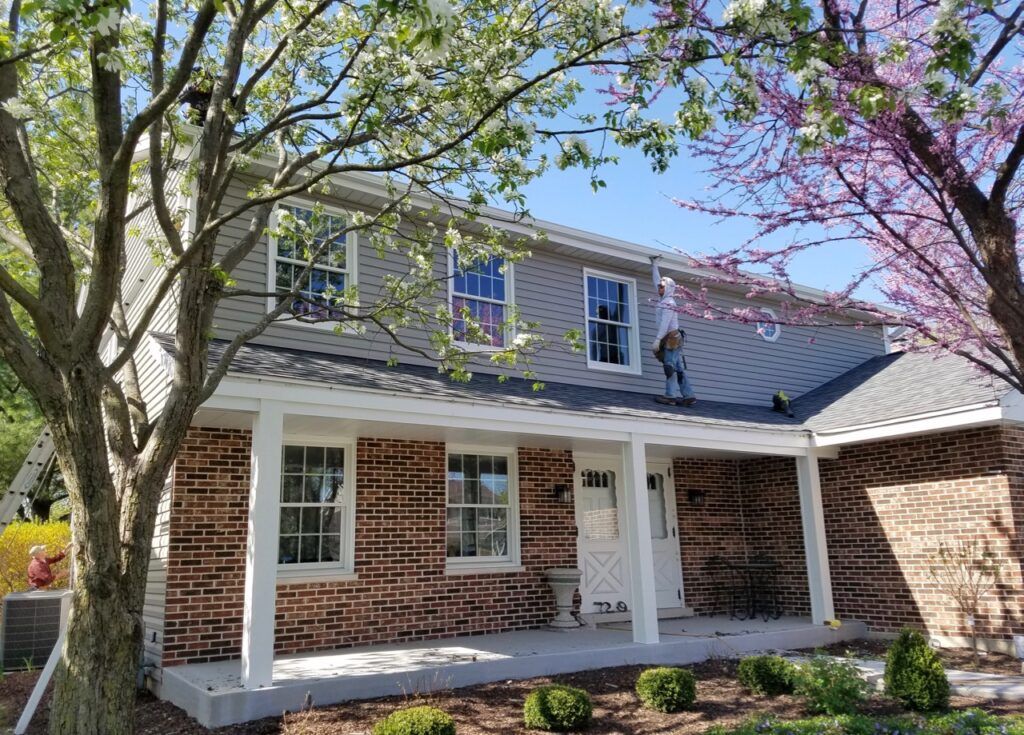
point(265, 361)
point(895, 386)
point(887, 387)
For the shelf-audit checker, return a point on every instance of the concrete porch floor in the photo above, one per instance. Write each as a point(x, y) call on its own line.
point(212, 692)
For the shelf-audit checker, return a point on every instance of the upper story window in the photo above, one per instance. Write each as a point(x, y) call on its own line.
point(481, 509)
point(321, 238)
point(480, 294)
point(612, 340)
point(316, 507)
point(769, 329)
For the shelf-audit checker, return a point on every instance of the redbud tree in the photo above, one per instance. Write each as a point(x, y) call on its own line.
point(895, 124)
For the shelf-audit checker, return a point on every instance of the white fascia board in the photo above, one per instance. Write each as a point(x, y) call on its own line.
point(240, 393)
point(960, 418)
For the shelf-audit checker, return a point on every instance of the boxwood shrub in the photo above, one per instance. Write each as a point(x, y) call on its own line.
point(667, 689)
point(416, 721)
point(914, 674)
point(771, 675)
point(557, 708)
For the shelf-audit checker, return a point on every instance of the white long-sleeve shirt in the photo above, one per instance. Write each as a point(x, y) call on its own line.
point(667, 316)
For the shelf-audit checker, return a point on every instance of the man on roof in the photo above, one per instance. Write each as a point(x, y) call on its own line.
point(668, 343)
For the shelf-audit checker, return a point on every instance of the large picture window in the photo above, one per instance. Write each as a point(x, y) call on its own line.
point(611, 322)
point(480, 294)
point(481, 508)
point(319, 237)
point(315, 506)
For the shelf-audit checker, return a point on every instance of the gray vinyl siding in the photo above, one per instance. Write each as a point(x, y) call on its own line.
point(727, 361)
point(154, 606)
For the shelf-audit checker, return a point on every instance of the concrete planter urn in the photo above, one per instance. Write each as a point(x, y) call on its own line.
point(563, 581)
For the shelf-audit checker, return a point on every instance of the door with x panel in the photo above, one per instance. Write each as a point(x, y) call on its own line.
point(601, 543)
point(661, 499)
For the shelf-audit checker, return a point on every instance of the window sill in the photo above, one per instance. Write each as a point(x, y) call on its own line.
point(610, 368)
point(456, 571)
point(303, 576)
point(471, 347)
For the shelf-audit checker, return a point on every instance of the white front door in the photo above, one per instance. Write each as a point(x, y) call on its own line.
point(661, 499)
point(601, 542)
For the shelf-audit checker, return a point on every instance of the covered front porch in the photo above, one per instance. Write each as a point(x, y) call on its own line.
point(214, 694)
point(235, 647)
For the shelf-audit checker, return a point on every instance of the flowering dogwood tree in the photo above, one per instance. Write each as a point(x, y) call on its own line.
point(455, 105)
point(898, 124)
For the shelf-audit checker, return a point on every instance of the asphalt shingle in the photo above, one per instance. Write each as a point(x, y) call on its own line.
point(416, 380)
point(894, 386)
point(887, 387)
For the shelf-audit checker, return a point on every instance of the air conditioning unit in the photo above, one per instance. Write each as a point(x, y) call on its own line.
point(29, 628)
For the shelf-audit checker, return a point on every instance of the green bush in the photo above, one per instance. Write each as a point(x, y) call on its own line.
point(771, 675)
point(416, 721)
point(830, 686)
point(914, 674)
point(667, 689)
point(557, 708)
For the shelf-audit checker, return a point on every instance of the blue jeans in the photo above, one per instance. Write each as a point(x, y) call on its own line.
point(677, 385)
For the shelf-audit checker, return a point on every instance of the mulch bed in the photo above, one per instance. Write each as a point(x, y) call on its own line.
point(952, 658)
point(490, 709)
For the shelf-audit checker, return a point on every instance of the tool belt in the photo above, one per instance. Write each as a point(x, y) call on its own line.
point(671, 341)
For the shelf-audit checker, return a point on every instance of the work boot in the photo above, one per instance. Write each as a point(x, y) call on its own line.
point(665, 400)
point(686, 401)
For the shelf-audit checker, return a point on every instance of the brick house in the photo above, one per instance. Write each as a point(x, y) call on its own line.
point(325, 501)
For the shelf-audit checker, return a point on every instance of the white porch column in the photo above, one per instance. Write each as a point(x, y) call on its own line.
point(815, 547)
point(638, 541)
point(261, 554)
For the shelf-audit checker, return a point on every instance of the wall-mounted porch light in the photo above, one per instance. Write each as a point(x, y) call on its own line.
point(562, 494)
point(695, 496)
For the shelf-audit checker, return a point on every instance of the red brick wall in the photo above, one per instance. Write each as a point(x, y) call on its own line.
point(206, 548)
point(751, 507)
point(888, 505)
point(709, 530)
point(771, 512)
point(402, 592)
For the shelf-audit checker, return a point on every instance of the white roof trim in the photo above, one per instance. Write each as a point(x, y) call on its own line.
point(960, 418)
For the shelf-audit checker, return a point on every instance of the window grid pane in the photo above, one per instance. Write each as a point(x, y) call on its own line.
point(314, 511)
point(477, 523)
point(479, 295)
point(609, 321)
point(328, 276)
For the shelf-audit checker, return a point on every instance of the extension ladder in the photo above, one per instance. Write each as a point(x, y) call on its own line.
point(24, 483)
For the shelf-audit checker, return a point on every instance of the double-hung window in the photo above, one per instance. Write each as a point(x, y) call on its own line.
point(612, 341)
point(481, 525)
point(316, 507)
point(480, 301)
point(319, 241)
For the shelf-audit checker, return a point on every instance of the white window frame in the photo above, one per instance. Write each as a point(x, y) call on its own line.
point(635, 367)
point(325, 569)
point(508, 303)
point(351, 260)
point(778, 327)
point(470, 564)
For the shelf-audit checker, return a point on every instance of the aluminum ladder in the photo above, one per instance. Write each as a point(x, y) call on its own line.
point(24, 483)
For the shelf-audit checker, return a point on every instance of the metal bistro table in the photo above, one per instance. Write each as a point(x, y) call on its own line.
point(756, 589)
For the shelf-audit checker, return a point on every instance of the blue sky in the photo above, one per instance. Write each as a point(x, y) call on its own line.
point(637, 206)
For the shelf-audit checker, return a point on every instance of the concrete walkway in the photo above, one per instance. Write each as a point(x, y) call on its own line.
point(975, 684)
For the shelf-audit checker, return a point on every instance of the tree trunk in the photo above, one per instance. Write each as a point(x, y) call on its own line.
point(95, 684)
point(94, 690)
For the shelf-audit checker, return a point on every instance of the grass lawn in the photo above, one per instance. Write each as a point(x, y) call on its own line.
point(494, 709)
